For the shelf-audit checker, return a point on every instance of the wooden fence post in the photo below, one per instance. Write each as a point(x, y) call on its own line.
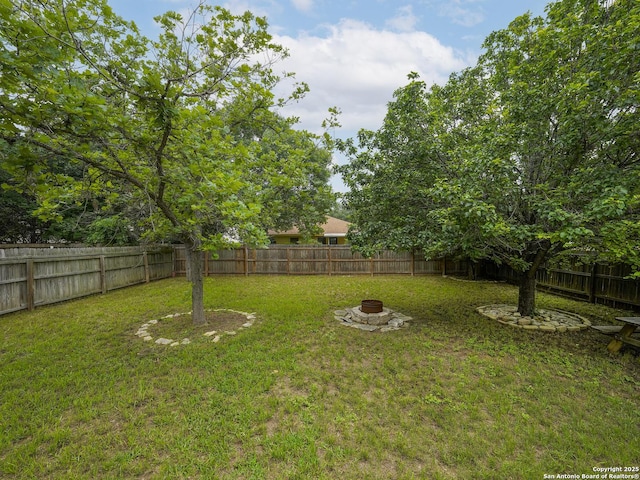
point(103, 274)
point(145, 260)
point(288, 260)
point(246, 260)
point(329, 257)
point(30, 285)
point(413, 263)
point(592, 285)
point(255, 259)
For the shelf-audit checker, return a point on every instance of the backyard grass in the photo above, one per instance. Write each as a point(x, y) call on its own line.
point(297, 395)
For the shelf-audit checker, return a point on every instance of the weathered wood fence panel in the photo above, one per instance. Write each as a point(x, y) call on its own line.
point(30, 277)
point(318, 260)
point(45, 275)
point(595, 283)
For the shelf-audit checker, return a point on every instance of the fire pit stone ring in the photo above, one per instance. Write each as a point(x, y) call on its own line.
point(372, 316)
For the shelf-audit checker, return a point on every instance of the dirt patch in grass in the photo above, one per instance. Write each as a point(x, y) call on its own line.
point(182, 326)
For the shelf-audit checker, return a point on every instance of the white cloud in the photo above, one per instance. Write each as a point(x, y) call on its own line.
point(302, 5)
point(357, 68)
point(404, 21)
point(460, 12)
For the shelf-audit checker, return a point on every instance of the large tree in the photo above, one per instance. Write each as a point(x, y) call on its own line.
point(531, 153)
point(91, 218)
point(17, 224)
point(186, 125)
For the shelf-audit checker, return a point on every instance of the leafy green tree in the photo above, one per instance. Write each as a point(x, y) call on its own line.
point(339, 210)
point(17, 224)
point(92, 218)
point(181, 124)
point(20, 222)
point(294, 179)
point(530, 154)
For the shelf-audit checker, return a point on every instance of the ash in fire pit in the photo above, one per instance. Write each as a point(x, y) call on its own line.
point(371, 315)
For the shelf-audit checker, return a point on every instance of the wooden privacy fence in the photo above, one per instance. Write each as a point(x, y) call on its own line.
point(594, 283)
point(318, 260)
point(31, 277)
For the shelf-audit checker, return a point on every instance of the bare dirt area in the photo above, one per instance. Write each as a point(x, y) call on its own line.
point(179, 329)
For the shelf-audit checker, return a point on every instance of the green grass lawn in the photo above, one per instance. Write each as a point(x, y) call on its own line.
point(297, 395)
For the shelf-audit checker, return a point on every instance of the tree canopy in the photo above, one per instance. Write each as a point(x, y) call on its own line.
point(184, 130)
point(530, 153)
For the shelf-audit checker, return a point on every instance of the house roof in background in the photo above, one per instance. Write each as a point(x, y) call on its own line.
point(333, 227)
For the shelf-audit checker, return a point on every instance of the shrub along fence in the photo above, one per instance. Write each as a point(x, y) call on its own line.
point(31, 277)
point(319, 260)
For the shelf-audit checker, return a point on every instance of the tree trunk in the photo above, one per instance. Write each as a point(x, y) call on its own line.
point(527, 294)
point(195, 258)
point(527, 287)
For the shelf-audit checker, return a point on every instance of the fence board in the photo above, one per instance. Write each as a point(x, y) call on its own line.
point(599, 283)
point(228, 262)
point(47, 275)
point(319, 260)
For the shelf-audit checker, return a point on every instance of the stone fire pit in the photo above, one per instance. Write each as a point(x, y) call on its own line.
point(371, 316)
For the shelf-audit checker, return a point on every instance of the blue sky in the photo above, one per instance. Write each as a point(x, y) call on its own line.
point(355, 53)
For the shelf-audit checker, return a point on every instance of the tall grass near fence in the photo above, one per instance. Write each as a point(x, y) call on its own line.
point(297, 395)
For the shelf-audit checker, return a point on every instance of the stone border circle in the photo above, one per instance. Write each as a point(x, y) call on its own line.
point(545, 320)
point(351, 317)
point(143, 331)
